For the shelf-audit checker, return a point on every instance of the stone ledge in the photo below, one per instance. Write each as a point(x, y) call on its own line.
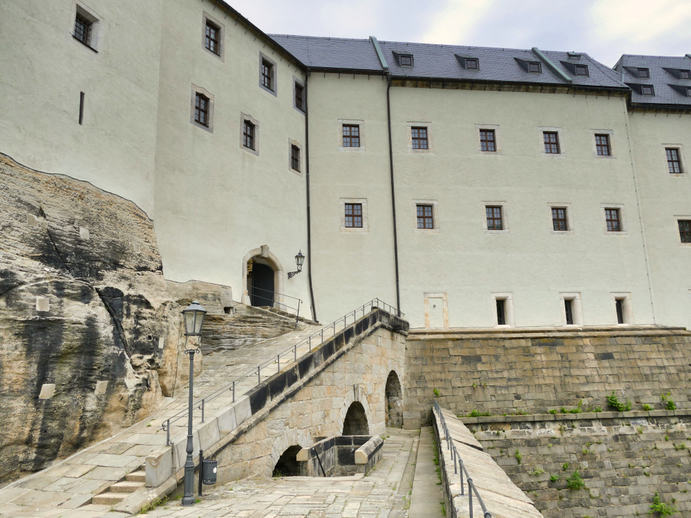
point(583, 416)
point(545, 332)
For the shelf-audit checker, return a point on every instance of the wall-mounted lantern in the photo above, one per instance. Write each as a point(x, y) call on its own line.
point(299, 261)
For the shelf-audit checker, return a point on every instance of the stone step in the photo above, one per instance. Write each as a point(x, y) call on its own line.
point(136, 476)
point(126, 486)
point(108, 498)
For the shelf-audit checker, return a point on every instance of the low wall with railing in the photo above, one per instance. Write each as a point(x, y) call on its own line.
point(473, 484)
point(341, 455)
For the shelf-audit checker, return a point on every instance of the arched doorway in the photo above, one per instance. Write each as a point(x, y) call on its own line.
point(394, 401)
point(260, 282)
point(287, 465)
point(355, 422)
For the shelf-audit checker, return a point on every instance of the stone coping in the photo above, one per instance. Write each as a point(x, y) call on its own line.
point(631, 414)
point(544, 332)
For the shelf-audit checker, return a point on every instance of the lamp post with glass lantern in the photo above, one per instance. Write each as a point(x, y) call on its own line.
point(193, 316)
point(299, 261)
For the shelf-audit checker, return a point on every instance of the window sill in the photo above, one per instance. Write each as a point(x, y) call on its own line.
point(269, 90)
point(251, 151)
point(86, 45)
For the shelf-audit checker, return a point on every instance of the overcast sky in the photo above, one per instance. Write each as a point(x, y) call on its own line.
point(605, 29)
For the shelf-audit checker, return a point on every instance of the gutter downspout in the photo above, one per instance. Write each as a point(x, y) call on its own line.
point(307, 195)
point(385, 68)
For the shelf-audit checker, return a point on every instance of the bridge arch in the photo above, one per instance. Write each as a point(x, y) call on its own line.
point(287, 464)
point(393, 401)
point(355, 421)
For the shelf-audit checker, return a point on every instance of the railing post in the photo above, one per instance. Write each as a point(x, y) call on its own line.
point(309, 343)
point(470, 497)
point(297, 316)
point(323, 335)
point(454, 460)
point(278, 361)
point(259, 374)
point(168, 432)
point(460, 466)
point(202, 408)
point(233, 391)
point(295, 352)
point(335, 328)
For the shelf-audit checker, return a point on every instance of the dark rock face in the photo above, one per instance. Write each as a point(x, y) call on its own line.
point(84, 316)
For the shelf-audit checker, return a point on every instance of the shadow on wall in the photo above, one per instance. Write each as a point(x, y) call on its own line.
point(394, 401)
point(355, 422)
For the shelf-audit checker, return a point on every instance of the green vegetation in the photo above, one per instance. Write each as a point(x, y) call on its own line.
point(647, 407)
point(659, 508)
point(537, 472)
point(575, 482)
point(597, 409)
point(681, 446)
point(477, 413)
point(518, 456)
point(667, 401)
point(553, 411)
point(553, 478)
point(565, 466)
point(436, 392)
point(153, 505)
point(614, 403)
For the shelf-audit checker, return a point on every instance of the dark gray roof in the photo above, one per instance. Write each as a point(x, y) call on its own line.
point(442, 61)
point(669, 89)
point(331, 53)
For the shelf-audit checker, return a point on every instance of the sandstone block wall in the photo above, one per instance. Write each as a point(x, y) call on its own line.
point(622, 461)
point(532, 372)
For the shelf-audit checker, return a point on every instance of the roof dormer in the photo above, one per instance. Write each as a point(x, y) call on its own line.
point(534, 67)
point(404, 59)
point(468, 62)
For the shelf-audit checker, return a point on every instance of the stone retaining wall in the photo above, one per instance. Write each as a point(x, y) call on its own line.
point(536, 371)
point(622, 461)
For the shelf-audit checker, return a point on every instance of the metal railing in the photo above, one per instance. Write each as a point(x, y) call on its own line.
point(271, 296)
point(289, 355)
point(459, 468)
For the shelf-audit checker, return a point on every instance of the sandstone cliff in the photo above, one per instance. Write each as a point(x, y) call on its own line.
point(84, 316)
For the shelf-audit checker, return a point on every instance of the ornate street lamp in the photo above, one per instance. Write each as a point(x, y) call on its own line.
point(299, 261)
point(193, 315)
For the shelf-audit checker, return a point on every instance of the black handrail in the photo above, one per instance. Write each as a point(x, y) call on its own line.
point(458, 461)
point(290, 354)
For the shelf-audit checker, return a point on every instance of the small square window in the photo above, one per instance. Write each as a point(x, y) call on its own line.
point(353, 215)
point(419, 137)
point(351, 135)
point(425, 216)
point(684, 230)
point(405, 60)
point(249, 134)
point(294, 157)
point(212, 37)
point(684, 74)
point(472, 63)
point(642, 72)
point(602, 144)
point(559, 220)
point(85, 28)
point(673, 160)
point(613, 219)
point(201, 109)
point(534, 66)
point(580, 70)
point(488, 141)
point(495, 219)
point(299, 96)
point(551, 139)
point(647, 90)
point(267, 76)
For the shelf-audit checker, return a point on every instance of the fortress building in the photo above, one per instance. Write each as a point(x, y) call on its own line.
point(471, 186)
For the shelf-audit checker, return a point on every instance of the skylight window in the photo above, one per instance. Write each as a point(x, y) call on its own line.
point(684, 74)
point(404, 59)
point(472, 63)
point(534, 66)
point(580, 70)
point(647, 90)
point(642, 72)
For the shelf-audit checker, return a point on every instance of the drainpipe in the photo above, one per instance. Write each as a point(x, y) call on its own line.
point(307, 193)
point(393, 194)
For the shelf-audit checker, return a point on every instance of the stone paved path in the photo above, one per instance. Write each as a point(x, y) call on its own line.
point(427, 495)
point(62, 489)
point(383, 493)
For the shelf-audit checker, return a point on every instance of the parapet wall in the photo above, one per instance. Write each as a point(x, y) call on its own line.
point(533, 372)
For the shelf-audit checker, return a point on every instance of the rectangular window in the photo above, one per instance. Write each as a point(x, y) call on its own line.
point(551, 139)
point(351, 135)
point(495, 220)
point(534, 66)
point(201, 109)
point(643, 72)
point(619, 305)
point(488, 141)
point(299, 97)
point(294, 157)
point(580, 70)
point(472, 63)
point(248, 135)
point(613, 219)
point(673, 160)
point(419, 136)
point(353, 215)
point(559, 221)
point(82, 28)
point(647, 90)
point(425, 217)
point(212, 37)
point(602, 144)
point(685, 230)
point(81, 107)
point(501, 312)
point(267, 74)
point(568, 311)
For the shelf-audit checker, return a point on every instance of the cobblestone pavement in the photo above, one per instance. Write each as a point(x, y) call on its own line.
point(383, 493)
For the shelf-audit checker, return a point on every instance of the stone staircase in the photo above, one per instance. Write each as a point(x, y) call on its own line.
point(120, 490)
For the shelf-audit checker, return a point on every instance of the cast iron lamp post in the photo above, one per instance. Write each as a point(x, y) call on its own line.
point(299, 261)
point(193, 315)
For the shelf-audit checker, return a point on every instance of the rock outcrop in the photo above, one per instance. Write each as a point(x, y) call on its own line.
point(85, 316)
